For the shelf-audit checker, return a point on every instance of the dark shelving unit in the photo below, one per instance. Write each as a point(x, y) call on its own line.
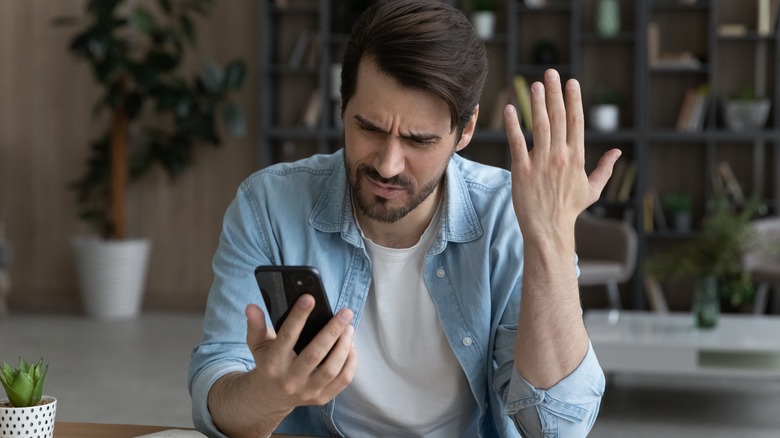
point(667, 160)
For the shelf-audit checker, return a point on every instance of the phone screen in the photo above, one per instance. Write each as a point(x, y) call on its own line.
point(281, 286)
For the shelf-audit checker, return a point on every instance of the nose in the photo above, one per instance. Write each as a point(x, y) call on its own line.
point(389, 161)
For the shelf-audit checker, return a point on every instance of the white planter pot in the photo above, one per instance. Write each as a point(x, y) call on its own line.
point(112, 275)
point(31, 422)
point(535, 4)
point(604, 118)
point(742, 114)
point(484, 24)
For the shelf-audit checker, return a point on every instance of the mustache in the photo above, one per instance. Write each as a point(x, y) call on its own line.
point(397, 180)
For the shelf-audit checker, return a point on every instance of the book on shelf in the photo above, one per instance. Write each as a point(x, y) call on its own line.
point(732, 30)
point(653, 43)
point(654, 212)
point(655, 295)
point(497, 119)
point(658, 58)
point(766, 19)
point(648, 224)
point(730, 183)
point(523, 100)
point(314, 51)
point(310, 117)
point(627, 184)
point(299, 50)
point(613, 185)
point(693, 109)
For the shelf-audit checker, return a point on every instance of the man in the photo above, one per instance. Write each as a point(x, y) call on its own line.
point(455, 282)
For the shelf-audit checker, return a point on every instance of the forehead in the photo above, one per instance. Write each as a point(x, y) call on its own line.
point(381, 98)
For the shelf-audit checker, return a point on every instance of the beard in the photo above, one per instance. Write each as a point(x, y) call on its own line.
point(376, 207)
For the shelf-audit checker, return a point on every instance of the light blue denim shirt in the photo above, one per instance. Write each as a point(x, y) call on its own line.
point(300, 214)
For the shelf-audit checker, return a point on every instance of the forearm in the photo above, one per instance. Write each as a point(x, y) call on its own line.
point(234, 409)
point(551, 337)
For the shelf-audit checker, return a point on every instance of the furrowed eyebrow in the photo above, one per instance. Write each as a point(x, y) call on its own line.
point(421, 138)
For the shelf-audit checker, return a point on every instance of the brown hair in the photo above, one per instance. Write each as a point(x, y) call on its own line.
point(428, 45)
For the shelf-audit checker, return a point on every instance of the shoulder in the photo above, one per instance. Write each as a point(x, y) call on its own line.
point(482, 178)
point(307, 177)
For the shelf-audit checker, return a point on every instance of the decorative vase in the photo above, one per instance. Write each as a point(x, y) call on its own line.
point(535, 4)
point(112, 275)
point(30, 422)
point(608, 17)
point(706, 304)
point(484, 24)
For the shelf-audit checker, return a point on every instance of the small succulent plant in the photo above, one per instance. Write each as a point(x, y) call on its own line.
point(23, 385)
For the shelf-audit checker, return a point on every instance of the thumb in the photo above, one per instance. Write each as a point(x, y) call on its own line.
point(258, 334)
point(600, 175)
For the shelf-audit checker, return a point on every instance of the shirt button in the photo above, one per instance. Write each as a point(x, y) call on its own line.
point(440, 273)
point(467, 341)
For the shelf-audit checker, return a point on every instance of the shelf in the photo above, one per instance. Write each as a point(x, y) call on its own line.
point(678, 5)
point(670, 160)
point(708, 135)
point(620, 38)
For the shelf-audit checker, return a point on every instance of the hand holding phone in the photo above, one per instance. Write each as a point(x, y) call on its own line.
point(281, 286)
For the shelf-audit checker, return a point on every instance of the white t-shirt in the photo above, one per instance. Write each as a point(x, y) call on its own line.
point(408, 381)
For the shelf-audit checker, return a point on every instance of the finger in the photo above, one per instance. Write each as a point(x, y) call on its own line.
point(517, 145)
point(600, 175)
point(540, 119)
point(331, 367)
point(323, 342)
point(556, 109)
point(337, 384)
point(575, 118)
point(293, 325)
point(258, 334)
point(344, 378)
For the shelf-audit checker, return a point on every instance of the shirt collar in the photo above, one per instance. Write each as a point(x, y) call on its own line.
point(459, 221)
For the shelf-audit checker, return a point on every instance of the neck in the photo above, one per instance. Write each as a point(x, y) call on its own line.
point(406, 232)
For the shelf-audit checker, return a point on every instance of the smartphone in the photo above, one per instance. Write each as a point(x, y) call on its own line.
point(281, 286)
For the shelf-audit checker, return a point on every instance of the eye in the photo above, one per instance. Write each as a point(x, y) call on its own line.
point(422, 142)
point(370, 129)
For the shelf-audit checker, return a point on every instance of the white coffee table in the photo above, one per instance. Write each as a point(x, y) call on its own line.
point(644, 342)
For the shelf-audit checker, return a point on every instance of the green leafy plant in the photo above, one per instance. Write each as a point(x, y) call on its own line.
point(483, 5)
point(715, 250)
point(23, 385)
point(678, 202)
point(134, 50)
point(745, 93)
point(604, 95)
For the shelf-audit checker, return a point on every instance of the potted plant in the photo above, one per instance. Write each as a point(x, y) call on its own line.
point(679, 205)
point(156, 116)
point(26, 412)
point(713, 257)
point(745, 110)
point(605, 109)
point(483, 17)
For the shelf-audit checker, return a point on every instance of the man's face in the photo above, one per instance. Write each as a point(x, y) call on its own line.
point(398, 142)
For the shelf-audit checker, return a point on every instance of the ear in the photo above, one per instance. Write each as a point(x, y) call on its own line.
point(468, 130)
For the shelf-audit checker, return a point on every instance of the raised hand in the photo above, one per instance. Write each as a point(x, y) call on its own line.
point(550, 187)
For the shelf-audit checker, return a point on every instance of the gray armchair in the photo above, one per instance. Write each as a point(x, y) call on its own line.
point(607, 251)
point(763, 262)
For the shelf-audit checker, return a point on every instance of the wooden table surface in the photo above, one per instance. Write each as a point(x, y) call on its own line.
point(97, 430)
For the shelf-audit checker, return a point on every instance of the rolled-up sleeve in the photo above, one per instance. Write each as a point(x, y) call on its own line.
point(568, 409)
point(200, 384)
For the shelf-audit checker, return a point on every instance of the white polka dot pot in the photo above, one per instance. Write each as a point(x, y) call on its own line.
point(31, 422)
